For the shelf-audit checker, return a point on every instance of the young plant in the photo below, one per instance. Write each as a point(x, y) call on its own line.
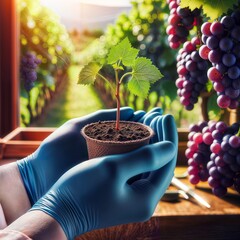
point(140, 71)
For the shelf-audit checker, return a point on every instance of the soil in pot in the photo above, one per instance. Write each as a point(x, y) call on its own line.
point(103, 138)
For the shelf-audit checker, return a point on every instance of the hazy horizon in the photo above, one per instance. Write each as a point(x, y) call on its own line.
point(83, 14)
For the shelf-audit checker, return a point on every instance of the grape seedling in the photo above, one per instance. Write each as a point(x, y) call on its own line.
point(139, 71)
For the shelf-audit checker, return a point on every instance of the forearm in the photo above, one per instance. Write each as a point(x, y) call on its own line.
point(13, 197)
point(13, 235)
point(37, 225)
point(3, 223)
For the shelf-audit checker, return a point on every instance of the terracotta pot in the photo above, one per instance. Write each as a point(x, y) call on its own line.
point(98, 148)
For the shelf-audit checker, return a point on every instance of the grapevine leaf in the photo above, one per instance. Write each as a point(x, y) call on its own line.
point(211, 8)
point(143, 74)
point(209, 86)
point(214, 111)
point(143, 69)
point(139, 87)
point(124, 52)
point(88, 73)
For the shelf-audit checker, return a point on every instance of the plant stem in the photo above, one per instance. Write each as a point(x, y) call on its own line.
point(118, 100)
point(124, 75)
point(106, 80)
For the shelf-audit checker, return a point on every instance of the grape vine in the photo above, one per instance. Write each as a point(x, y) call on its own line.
point(220, 45)
point(210, 58)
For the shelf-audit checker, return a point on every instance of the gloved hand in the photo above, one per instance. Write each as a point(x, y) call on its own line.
point(60, 151)
point(97, 193)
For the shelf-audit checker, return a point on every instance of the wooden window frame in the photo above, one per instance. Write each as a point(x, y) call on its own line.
point(9, 52)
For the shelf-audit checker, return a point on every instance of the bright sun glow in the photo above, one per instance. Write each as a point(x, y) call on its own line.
point(87, 13)
point(112, 3)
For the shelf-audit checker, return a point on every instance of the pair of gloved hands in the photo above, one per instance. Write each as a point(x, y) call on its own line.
point(110, 190)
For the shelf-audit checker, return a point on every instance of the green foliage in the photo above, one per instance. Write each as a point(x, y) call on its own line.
point(213, 109)
point(123, 52)
point(213, 9)
point(88, 74)
point(143, 74)
point(123, 55)
point(42, 34)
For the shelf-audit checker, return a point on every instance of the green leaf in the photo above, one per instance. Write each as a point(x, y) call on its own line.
point(213, 109)
point(139, 87)
point(88, 73)
point(144, 70)
point(124, 52)
point(209, 86)
point(211, 8)
point(143, 74)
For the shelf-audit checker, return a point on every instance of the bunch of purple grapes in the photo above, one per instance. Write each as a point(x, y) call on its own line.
point(28, 67)
point(192, 73)
point(198, 153)
point(221, 46)
point(214, 155)
point(180, 20)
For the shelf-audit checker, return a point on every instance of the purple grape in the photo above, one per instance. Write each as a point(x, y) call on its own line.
point(220, 191)
point(221, 126)
point(235, 33)
point(203, 175)
point(228, 22)
point(195, 56)
point(28, 66)
point(234, 141)
point(232, 93)
point(215, 56)
point(225, 146)
point(212, 42)
point(217, 28)
point(236, 50)
point(229, 59)
point(210, 164)
point(226, 182)
point(183, 12)
point(226, 171)
point(226, 44)
point(236, 84)
point(204, 39)
point(234, 72)
point(213, 171)
point(226, 81)
point(223, 101)
point(213, 182)
point(221, 68)
point(219, 162)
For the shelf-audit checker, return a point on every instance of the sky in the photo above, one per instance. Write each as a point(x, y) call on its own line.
point(87, 13)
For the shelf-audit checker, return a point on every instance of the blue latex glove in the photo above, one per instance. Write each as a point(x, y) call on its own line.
point(59, 152)
point(97, 193)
